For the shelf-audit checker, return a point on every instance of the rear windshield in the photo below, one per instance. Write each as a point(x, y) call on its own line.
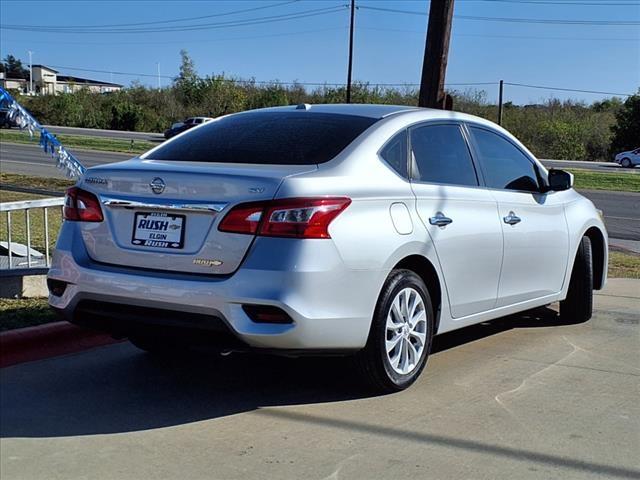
point(278, 138)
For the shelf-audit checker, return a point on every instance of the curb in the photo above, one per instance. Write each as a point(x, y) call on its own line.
point(48, 340)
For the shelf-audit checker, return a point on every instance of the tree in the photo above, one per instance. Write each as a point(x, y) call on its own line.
point(188, 73)
point(626, 131)
point(608, 104)
point(187, 81)
point(13, 68)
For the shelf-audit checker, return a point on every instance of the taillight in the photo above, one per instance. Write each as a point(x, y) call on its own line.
point(243, 218)
point(81, 206)
point(294, 217)
point(301, 217)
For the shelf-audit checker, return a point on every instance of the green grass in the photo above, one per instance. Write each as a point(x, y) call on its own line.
point(36, 219)
point(28, 181)
point(622, 182)
point(83, 142)
point(24, 312)
point(624, 265)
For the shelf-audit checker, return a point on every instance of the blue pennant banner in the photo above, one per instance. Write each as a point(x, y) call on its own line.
point(65, 161)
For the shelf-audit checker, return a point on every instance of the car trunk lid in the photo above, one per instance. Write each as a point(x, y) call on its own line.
point(164, 215)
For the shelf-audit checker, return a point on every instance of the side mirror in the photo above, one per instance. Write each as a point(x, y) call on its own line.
point(560, 180)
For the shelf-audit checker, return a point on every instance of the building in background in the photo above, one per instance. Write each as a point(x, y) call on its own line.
point(19, 84)
point(47, 81)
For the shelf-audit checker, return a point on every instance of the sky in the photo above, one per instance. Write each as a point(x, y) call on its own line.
point(579, 44)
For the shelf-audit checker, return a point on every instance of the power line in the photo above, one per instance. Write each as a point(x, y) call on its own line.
point(382, 84)
point(202, 26)
point(568, 89)
point(230, 80)
point(547, 21)
point(261, 82)
point(185, 28)
point(530, 37)
point(181, 42)
point(577, 3)
point(131, 74)
point(157, 22)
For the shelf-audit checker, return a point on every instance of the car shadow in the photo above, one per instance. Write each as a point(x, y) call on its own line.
point(121, 389)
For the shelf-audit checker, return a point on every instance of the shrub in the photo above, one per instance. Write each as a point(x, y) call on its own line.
point(626, 130)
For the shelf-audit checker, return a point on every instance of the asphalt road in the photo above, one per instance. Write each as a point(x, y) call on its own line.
point(158, 137)
point(606, 167)
point(31, 160)
point(621, 212)
point(26, 153)
point(621, 209)
point(524, 397)
point(94, 132)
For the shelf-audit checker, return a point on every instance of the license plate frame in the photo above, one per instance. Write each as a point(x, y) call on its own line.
point(142, 236)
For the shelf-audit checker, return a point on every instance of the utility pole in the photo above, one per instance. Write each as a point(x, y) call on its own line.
point(350, 68)
point(500, 102)
point(159, 86)
point(436, 51)
point(30, 72)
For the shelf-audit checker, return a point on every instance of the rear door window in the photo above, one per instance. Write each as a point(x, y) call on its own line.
point(439, 154)
point(274, 138)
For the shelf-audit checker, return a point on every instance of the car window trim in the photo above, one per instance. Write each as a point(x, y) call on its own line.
point(459, 124)
point(476, 153)
point(406, 159)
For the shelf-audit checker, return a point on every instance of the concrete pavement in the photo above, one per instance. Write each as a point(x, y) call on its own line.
point(523, 397)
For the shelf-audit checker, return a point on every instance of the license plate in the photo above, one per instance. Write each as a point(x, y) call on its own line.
point(157, 229)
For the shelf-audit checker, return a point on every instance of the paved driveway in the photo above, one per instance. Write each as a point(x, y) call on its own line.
point(523, 397)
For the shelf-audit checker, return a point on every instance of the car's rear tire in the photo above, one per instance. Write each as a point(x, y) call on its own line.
point(401, 333)
point(578, 306)
point(625, 163)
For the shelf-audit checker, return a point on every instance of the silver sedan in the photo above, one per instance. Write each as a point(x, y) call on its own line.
point(359, 230)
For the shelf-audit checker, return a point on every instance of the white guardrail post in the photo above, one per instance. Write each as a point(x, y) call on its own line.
point(27, 206)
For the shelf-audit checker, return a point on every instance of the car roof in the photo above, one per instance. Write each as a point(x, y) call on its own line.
point(359, 109)
point(378, 111)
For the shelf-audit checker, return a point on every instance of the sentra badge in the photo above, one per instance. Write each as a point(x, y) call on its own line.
point(96, 180)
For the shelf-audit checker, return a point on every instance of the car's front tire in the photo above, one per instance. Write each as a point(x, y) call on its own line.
point(401, 333)
point(578, 306)
point(625, 163)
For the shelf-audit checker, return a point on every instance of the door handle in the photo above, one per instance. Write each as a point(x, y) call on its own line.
point(440, 220)
point(512, 219)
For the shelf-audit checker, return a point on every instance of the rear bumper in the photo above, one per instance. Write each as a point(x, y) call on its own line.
point(331, 306)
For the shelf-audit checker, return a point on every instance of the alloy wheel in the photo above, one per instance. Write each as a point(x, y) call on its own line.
point(406, 331)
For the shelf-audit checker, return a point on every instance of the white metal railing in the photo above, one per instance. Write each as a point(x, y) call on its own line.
point(27, 206)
